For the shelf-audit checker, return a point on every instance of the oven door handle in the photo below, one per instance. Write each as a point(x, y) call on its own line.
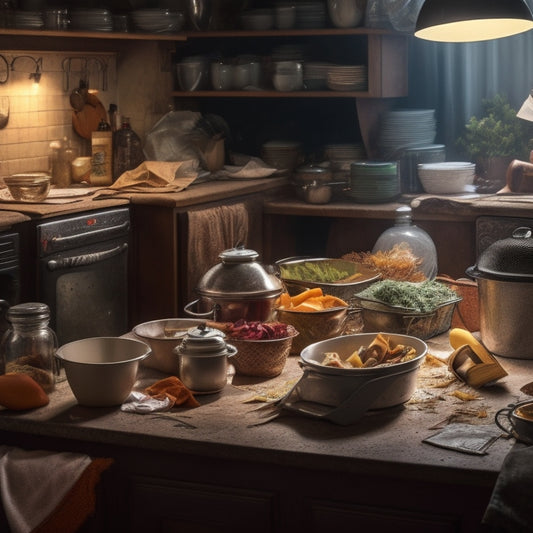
point(85, 259)
point(102, 234)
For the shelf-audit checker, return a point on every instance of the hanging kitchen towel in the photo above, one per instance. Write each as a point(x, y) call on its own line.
point(211, 231)
point(509, 509)
point(48, 492)
point(154, 177)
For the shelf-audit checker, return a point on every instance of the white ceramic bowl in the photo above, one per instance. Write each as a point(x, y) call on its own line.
point(450, 177)
point(101, 371)
point(346, 13)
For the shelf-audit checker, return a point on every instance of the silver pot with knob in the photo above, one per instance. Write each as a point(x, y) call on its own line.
point(239, 287)
point(203, 359)
point(504, 273)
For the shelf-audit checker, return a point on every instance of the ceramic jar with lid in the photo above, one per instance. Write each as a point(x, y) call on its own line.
point(29, 346)
point(203, 359)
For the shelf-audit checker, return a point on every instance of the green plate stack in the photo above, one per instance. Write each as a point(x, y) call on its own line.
point(374, 182)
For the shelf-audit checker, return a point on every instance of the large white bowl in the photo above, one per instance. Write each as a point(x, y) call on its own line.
point(450, 177)
point(101, 371)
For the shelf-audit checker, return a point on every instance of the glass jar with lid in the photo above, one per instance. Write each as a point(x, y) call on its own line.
point(29, 345)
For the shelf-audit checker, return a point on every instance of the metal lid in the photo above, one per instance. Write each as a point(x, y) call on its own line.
point(239, 275)
point(509, 259)
point(203, 340)
point(33, 310)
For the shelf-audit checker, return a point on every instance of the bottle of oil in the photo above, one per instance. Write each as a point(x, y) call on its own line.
point(127, 149)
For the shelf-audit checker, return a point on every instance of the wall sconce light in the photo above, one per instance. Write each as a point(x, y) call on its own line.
point(457, 21)
point(35, 75)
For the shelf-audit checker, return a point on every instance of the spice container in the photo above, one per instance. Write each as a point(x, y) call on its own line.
point(28, 347)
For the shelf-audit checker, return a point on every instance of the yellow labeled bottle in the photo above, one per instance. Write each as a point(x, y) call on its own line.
point(102, 155)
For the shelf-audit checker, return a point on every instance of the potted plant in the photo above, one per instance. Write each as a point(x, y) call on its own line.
point(494, 140)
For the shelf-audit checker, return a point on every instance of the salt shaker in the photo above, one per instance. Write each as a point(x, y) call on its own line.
point(28, 347)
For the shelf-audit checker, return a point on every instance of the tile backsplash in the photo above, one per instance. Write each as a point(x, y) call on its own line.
point(41, 113)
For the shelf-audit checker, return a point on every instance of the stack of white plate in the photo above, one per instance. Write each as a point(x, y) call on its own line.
point(283, 155)
point(406, 128)
point(157, 20)
point(348, 78)
point(311, 15)
point(374, 182)
point(91, 19)
point(29, 20)
point(316, 75)
point(449, 177)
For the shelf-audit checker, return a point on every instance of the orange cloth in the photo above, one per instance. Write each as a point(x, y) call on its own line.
point(173, 389)
point(78, 504)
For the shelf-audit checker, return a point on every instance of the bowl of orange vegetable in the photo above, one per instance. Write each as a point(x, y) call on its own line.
point(316, 316)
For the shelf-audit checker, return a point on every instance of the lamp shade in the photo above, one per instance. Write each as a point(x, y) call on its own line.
point(472, 20)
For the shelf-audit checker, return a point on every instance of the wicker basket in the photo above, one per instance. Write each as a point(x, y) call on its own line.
point(261, 358)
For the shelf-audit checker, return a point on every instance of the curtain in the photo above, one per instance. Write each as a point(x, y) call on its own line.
point(454, 78)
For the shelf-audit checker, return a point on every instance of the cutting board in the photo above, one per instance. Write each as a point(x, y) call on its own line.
point(86, 121)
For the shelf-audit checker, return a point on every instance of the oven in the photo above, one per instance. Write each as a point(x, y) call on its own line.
point(83, 273)
point(9, 275)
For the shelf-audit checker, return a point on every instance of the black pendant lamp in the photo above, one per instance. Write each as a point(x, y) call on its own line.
point(460, 21)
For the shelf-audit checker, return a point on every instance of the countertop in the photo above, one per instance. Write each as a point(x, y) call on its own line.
point(387, 442)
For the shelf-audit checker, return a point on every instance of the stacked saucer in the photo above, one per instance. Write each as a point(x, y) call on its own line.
point(311, 15)
point(29, 20)
point(91, 19)
point(157, 20)
point(374, 182)
point(406, 128)
point(348, 78)
point(316, 75)
point(283, 155)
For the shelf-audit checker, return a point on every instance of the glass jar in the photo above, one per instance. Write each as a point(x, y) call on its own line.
point(404, 231)
point(127, 149)
point(28, 347)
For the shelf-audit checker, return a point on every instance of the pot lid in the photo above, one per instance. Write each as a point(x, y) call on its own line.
point(509, 259)
point(239, 275)
point(203, 339)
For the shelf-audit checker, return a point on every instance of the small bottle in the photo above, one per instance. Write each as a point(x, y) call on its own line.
point(127, 149)
point(102, 155)
point(404, 231)
point(28, 347)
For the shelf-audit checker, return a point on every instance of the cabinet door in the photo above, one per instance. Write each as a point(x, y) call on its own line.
point(173, 506)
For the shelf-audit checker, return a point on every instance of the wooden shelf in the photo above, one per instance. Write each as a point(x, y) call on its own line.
point(270, 94)
point(102, 35)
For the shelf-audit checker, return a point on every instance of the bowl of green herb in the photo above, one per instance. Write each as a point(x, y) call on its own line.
point(421, 309)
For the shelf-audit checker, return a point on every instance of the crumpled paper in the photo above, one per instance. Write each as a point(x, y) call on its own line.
point(138, 402)
point(155, 177)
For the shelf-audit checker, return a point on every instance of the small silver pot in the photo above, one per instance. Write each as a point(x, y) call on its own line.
point(203, 360)
point(504, 274)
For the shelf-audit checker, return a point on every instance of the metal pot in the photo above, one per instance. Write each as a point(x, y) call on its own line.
point(517, 421)
point(203, 359)
point(239, 287)
point(504, 273)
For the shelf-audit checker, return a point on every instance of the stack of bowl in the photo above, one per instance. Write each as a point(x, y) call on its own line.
point(374, 182)
point(450, 177)
point(283, 155)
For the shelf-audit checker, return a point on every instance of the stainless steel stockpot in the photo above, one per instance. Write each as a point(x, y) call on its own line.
point(504, 273)
point(238, 287)
point(203, 359)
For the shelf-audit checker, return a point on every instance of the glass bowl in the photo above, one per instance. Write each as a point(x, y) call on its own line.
point(32, 187)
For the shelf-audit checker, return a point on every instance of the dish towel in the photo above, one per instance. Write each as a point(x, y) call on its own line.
point(509, 509)
point(48, 492)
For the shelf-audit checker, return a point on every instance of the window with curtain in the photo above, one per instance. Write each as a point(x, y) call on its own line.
point(454, 79)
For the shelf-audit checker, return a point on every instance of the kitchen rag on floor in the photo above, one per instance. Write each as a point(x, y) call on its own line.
point(48, 492)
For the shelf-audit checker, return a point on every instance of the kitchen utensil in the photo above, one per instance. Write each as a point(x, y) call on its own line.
point(203, 359)
point(4, 111)
point(101, 371)
point(344, 395)
point(517, 421)
point(86, 120)
point(504, 274)
point(237, 287)
point(29, 187)
point(163, 336)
